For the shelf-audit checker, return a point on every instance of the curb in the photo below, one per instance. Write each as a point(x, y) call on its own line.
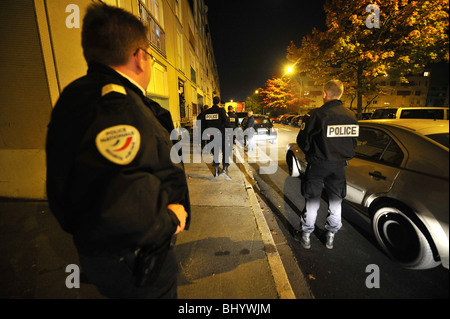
point(283, 286)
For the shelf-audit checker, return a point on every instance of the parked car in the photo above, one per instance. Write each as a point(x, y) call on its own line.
point(276, 119)
point(264, 129)
point(297, 120)
point(433, 113)
point(287, 119)
point(400, 179)
point(281, 117)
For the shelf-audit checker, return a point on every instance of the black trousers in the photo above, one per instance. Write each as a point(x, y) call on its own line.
point(320, 174)
point(113, 277)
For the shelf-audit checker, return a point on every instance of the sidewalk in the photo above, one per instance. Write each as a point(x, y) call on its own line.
point(228, 253)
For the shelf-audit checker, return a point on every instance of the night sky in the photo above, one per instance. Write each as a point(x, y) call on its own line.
point(250, 39)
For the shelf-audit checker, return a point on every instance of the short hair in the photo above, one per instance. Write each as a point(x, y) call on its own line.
point(216, 100)
point(250, 112)
point(334, 89)
point(230, 107)
point(110, 34)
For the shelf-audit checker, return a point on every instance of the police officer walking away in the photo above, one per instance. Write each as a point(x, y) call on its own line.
point(327, 137)
point(202, 122)
point(110, 180)
point(216, 117)
point(234, 121)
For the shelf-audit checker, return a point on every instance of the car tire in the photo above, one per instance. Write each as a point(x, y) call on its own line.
point(401, 239)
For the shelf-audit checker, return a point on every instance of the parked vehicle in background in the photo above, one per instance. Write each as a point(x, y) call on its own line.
point(400, 179)
point(297, 120)
point(276, 119)
point(366, 115)
point(432, 113)
point(287, 119)
point(264, 130)
point(280, 118)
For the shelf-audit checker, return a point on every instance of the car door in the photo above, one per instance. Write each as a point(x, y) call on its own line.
point(375, 166)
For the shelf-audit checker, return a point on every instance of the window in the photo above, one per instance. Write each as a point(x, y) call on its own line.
point(403, 93)
point(178, 9)
point(180, 51)
point(432, 114)
point(375, 145)
point(158, 85)
point(147, 12)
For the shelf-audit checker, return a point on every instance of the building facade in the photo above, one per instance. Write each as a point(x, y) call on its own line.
point(42, 54)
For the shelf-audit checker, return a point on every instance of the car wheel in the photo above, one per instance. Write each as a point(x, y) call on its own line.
point(401, 239)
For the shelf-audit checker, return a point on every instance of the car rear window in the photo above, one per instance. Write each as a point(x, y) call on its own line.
point(441, 138)
point(432, 114)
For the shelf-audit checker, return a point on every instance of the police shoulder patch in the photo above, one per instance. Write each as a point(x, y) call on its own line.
point(109, 88)
point(119, 144)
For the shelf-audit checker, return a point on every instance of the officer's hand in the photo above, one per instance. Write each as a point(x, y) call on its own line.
point(181, 214)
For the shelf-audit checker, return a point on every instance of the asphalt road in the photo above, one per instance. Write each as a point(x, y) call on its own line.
point(356, 267)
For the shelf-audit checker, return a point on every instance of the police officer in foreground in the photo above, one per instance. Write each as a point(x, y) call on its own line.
point(110, 180)
point(216, 117)
point(327, 137)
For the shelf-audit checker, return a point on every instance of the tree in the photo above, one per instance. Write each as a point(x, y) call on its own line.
point(253, 103)
point(411, 34)
point(281, 95)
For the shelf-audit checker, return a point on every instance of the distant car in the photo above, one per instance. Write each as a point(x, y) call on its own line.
point(366, 115)
point(297, 120)
point(276, 119)
point(264, 129)
point(287, 119)
point(400, 179)
point(433, 113)
point(280, 118)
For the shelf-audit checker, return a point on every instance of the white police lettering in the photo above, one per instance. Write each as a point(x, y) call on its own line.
point(119, 144)
point(214, 116)
point(343, 131)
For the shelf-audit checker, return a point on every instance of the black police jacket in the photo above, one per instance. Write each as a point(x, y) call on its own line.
point(216, 117)
point(328, 133)
point(234, 120)
point(109, 173)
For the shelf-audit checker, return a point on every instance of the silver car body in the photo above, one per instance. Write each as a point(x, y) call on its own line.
point(416, 174)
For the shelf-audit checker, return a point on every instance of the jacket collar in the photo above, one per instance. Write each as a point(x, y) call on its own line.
point(104, 69)
point(332, 103)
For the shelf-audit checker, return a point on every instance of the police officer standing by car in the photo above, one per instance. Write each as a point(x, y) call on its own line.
point(110, 180)
point(216, 117)
point(327, 137)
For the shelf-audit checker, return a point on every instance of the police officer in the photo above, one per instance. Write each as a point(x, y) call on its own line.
point(202, 123)
point(249, 127)
point(327, 137)
point(110, 180)
point(216, 117)
point(234, 122)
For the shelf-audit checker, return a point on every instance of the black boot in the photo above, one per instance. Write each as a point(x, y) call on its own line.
point(216, 171)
